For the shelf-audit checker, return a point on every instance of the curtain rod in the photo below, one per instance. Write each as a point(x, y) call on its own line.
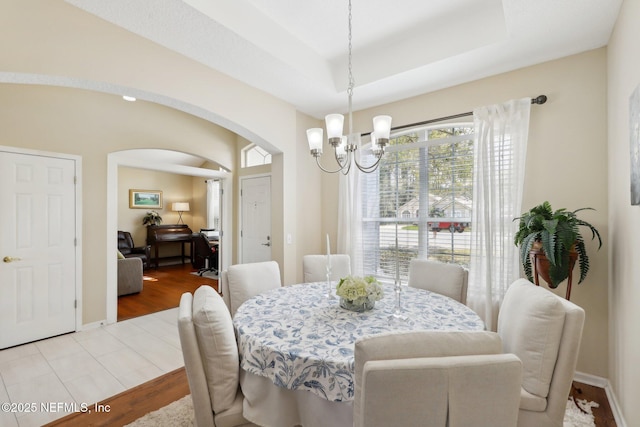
point(537, 100)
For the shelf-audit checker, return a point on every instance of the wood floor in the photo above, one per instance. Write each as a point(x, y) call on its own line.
point(165, 293)
point(135, 403)
point(161, 290)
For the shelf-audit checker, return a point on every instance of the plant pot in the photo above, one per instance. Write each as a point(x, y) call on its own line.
point(540, 265)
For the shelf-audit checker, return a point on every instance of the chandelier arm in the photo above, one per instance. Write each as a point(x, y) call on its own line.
point(327, 170)
point(342, 162)
point(347, 169)
point(371, 168)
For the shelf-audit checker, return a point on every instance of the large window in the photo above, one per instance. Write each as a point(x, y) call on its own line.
point(418, 203)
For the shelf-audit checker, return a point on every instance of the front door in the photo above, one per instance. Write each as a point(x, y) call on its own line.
point(37, 247)
point(256, 219)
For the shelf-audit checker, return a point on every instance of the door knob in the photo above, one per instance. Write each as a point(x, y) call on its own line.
point(266, 244)
point(10, 259)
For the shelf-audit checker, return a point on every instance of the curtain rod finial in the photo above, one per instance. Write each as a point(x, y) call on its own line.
point(539, 100)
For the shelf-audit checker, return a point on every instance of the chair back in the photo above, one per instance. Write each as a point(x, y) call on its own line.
point(314, 267)
point(203, 251)
point(211, 358)
point(223, 288)
point(446, 279)
point(435, 378)
point(125, 242)
point(247, 280)
point(544, 331)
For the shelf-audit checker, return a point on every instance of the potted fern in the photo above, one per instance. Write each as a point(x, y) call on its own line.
point(551, 242)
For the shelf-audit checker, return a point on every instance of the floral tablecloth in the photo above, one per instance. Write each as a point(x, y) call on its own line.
point(302, 340)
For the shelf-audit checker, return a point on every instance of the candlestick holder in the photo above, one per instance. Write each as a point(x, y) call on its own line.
point(329, 293)
point(397, 315)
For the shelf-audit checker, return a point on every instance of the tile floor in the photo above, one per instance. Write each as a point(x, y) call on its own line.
point(85, 367)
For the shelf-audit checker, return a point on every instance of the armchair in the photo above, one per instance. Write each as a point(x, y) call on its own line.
point(129, 250)
point(129, 276)
point(544, 331)
point(211, 359)
point(435, 379)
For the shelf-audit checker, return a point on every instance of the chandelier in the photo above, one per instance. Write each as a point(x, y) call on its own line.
point(345, 146)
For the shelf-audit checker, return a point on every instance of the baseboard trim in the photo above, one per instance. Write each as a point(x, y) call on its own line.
point(93, 325)
point(604, 383)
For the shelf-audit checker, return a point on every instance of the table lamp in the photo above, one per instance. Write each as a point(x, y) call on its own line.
point(180, 207)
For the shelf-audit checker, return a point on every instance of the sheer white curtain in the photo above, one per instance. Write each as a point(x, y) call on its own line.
point(500, 149)
point(350, 219)
point(213, 204)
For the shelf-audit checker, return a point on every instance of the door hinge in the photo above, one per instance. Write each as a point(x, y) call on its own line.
point(75, 241)
point(75, 303)
point(75, 179)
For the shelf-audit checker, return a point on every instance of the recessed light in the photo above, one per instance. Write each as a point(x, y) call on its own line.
point(128, 98)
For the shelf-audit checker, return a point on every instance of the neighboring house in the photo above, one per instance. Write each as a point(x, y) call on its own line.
point(447, 207)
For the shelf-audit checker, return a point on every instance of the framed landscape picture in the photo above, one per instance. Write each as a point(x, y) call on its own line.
point(145, 199)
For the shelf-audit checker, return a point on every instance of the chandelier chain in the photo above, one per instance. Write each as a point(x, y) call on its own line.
point(351, 80)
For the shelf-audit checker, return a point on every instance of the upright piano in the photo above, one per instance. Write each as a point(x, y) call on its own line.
point(171, 233)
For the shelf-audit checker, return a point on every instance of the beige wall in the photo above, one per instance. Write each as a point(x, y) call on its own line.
point(92, 125)
point(624, 219)
point(566, 160)
point(174, 187)
point(110, 59)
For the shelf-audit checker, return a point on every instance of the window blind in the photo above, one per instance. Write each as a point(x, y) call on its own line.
point(418, 203)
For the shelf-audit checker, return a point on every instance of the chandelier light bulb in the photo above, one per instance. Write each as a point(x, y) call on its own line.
point(335, 124)
point(382, 126)
point(374, 143)
point(341, 149)
point(314, 137)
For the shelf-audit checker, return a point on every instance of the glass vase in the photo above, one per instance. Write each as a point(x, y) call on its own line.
point(358, 305)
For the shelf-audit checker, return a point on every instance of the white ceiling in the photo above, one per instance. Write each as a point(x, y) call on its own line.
point(296, 50)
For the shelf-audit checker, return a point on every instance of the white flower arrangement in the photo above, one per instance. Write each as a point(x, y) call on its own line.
point(359, 288)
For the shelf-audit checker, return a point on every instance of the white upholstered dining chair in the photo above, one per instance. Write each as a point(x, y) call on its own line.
point(211, 359)
point(435, 379)
point(243, 281)
point(443, 278)
point(314, 267)
point(544, 331)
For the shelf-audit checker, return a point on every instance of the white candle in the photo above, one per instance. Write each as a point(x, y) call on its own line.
point(328, 252)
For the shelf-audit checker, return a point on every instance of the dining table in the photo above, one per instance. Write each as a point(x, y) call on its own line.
point(296, 346)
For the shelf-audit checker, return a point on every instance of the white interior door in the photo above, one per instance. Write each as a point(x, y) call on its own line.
point(37, 247)
point(255, 230)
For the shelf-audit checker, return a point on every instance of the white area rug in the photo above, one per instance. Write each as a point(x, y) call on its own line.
point(176, 414)
point(180, 414)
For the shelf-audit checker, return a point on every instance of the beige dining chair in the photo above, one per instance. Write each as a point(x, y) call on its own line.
point(243, 281)
point(223, 288)
point(314, 267)
point(544, 331)
point(211, 360)
point(446, 279)
point(435, 379)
